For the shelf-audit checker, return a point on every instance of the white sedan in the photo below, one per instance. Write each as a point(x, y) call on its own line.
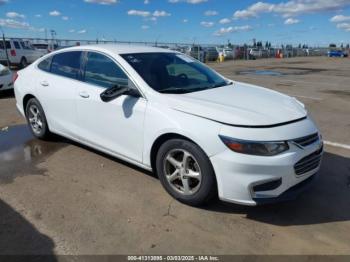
point(202, 134)
point(5, 78)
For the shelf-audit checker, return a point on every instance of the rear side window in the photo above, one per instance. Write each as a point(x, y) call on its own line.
point(17, 46)
point(24, 45)
point(67, 64)
point(102, 71)
point(45, 64)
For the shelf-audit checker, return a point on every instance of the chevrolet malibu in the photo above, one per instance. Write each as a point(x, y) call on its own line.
point(202, 134)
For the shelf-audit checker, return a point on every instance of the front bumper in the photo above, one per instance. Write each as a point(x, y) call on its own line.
point(6, 82)
point(253, 180)
point(290, 194)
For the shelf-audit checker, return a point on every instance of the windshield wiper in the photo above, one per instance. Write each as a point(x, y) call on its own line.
point(221, 84)
point(179, 90)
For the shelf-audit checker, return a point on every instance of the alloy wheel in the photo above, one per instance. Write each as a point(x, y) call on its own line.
point(182, 172)
point(35, 119)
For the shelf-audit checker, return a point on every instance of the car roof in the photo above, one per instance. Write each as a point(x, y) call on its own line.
point(120, 48)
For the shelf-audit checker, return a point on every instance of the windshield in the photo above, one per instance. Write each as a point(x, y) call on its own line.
point(174, 73)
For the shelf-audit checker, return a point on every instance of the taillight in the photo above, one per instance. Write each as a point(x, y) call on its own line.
point(13, 52)
point(14, 77)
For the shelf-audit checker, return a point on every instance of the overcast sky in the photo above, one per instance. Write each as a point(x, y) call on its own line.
point(314, 22)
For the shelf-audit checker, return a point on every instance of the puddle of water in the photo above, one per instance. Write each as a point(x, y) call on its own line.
point(292, 70)
point(21, 153)
point(282, 71)
point(260, 73)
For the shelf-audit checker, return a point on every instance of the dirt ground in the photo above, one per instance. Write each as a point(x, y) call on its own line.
point(59, 197)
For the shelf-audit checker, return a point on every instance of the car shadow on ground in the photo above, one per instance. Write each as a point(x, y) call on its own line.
point(9, 93)
point(19, 237)
point(327, 200)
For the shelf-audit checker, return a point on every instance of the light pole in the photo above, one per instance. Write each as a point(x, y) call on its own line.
point(157, 39)
point(5, 47)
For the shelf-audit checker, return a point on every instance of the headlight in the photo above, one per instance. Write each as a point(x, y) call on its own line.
point(5, 71)
point(255, 148)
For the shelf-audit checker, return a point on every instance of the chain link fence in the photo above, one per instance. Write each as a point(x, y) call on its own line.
point(203, 52)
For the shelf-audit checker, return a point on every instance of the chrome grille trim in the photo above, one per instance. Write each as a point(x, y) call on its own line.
point(306, 140)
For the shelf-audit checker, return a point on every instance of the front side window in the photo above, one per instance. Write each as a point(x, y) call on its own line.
point(67, 64)
point(24, 46)
point(174, 73)
point(16, 45)
point(102, 71)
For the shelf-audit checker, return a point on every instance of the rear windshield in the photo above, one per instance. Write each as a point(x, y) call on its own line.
point(8, 45)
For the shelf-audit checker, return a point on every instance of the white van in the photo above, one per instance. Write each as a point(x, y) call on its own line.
point(20, 52)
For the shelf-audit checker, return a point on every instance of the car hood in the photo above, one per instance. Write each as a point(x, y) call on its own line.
point(239, 104)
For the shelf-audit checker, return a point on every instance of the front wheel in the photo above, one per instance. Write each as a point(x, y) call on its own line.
point(185, 172)
point(36, 119)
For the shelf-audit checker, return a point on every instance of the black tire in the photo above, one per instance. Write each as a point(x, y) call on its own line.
point(23, 63)
point(207, 189)
point(43, 132)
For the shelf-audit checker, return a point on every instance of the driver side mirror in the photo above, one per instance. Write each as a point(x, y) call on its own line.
point(117, 91)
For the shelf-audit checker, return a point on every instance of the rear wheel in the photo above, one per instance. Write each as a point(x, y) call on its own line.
point(36, 119)
point(23, 62)
point(185, 172)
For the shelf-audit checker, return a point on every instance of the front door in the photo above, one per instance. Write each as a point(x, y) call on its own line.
point(115, 126)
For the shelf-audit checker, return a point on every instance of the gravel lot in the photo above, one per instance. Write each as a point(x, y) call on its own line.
point(58, 197)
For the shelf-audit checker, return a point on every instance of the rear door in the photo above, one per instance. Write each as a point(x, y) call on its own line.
point(57, 88)
point(115, 126)
point(3, 57)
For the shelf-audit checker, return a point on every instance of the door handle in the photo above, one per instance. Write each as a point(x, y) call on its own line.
point(44, 83)
point(84, 95)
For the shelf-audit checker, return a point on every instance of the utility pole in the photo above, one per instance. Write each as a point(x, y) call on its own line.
point(5, 47)
point(53, 34)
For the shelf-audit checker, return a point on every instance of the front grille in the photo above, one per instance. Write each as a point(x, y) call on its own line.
point(306, 140)
point(308, 163)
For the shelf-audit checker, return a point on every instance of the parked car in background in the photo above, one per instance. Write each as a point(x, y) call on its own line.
point(255, 53)
point(211, 54)
point(5, 78)
point(196, 52)
point(181, 49)
point(337, 53)
point(20, 53)
point(228, 53)
point(45, 48)
point(202, 134)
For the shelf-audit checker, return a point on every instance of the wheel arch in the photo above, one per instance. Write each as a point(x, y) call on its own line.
point(26, 98)
point(161, 140)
